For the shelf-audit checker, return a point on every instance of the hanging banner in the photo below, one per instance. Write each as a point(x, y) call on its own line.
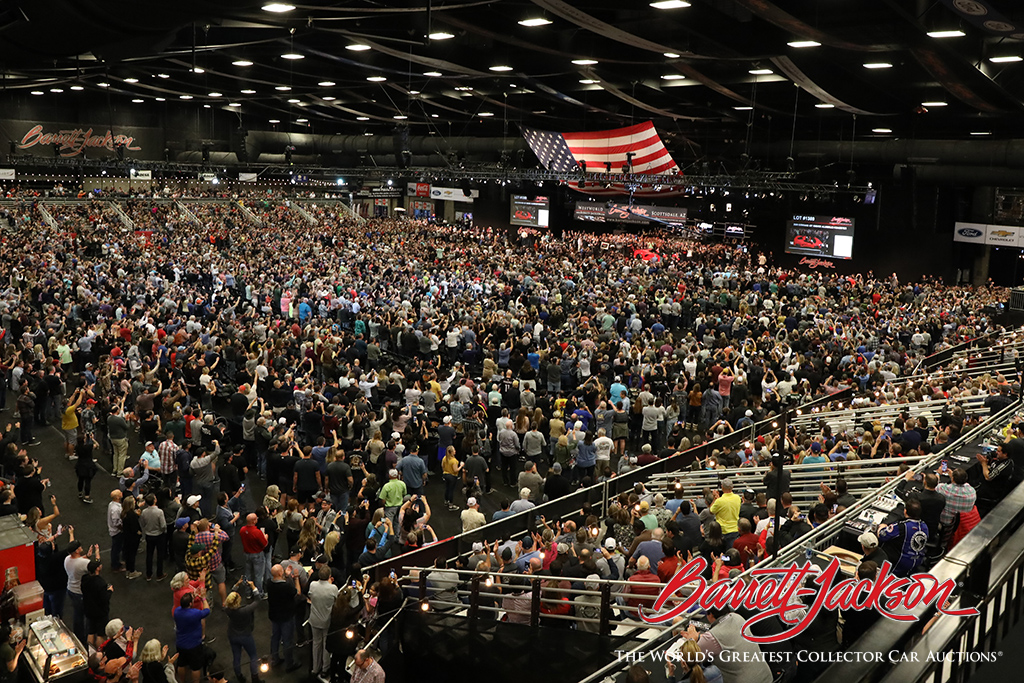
point(417, 189)
point(970, 232)
point(7, 174)
point(1002, 235)
point(610, 212)
point(454, 194)
point(70, 140)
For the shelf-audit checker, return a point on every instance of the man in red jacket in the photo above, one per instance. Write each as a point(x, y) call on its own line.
point(747, 542)
point(254, 544)
point(643, 587)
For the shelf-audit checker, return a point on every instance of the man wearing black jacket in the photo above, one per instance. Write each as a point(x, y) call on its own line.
point(932, 504)
point(556, 485)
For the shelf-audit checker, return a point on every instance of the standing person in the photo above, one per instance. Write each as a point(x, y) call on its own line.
point(508, 447)
point(96, 593)
point(76, 564)
point(339, 480)
point(322, 594)
point(282, 594)
point(451, 470)
point(85, 465)
point(392, 494)
point(241, 622)
point(132, 532)
point(254, 545)
point(188, 626)
point(366, 669)
point(117, 432)
point(154, 528)
point(26, 404)
point(114, 528)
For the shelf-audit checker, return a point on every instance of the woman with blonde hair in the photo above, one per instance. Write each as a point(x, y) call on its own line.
point(694, 664)
point(334, 550)
point(241, 622)
point(156, 667)
point(451, 469)
point(308, 541)
point(272, 501)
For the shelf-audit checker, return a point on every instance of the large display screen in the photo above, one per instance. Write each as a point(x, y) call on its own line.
point(828, 236)
point(610, 212)
point(534, 212)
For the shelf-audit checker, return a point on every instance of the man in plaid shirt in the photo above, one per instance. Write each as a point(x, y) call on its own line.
point(212, 540)
point(960, 496)
point(168, 451)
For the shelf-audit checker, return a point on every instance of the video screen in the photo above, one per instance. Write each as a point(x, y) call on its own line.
point(533, 212)
point(827, 236)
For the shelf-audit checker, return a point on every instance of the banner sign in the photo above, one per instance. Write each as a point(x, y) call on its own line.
point(970, 232)
point(427, 205)
point(83, 138)
point(71, 142)
point(454, 194)
point(246, 177)
point(608, 212)
point(986, 233)
point(7, 174)
point(143, 175)
point(417, 189)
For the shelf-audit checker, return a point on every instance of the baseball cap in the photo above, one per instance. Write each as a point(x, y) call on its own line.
point(148, 444)
point(73, 546)
point(393, 473)
point(192, 500)
point(610, 543)
point(180, 522)
point(320, 559)
point(478, 547)
point(749, 413)
point(447, 419)
point(868, 540)
point(471, 501)
point(90, 402)
point(816, 447)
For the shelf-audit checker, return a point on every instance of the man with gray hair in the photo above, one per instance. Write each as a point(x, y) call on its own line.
point(588, 607)
point(523, 504)
point(530, 479)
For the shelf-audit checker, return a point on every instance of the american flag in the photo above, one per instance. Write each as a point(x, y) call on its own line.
point(566, 152)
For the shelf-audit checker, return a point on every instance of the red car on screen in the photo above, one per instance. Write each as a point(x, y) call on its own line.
point(806, 242)
point(521, 215)
point(646, 255)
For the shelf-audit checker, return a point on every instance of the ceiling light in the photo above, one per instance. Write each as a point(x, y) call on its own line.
point(671, 55)
point(804, 43)
point(163, 75)
point(368, 134)
point(535, 21)
point(282, 88)
point(486, 113)
point(825, 105)
point(301, 120)
point(981, 132)
point(588, 81)
point(186, 97)
point(881, 130)
point(248, 91)
point(325, 84)
point(362, 118)
point(103, 85)
point(328, 98)
point(1006, 59)
point(761, 72)
point(463, 87)
point(278, 7)
point(673, 77)
point(358, 47)
point(77, 87)
point(742, 108)
point(292, 55)
point(206, 106)
point(56, 89)
point(38, 92)
point(138, 101)
point(432, 74)
point(161, 99)
point(946, 34)
point(242, 62)
point(376, 79)
point(293, 101)
point(501, 67)
point(235, 104)
point(417, 92)
point(441, 35)
point(275, 120)
point(400, 117)
point(197, 70)
point(933, 104)
point(584, 62)
point(878, 65)
point(670, 4)
point(131, 80)
point(215, 94)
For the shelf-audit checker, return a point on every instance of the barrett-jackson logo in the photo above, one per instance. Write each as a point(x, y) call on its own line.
point(776, 592)
point(73, 142)
point(816, 263)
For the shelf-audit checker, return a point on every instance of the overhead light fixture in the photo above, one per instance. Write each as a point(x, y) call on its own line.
point(278, 7)
point(671, 55)
point(137, 101)
point(433, 116)
point(956, 33)
point(825, 105)
point(673, 77)
point(56, 89)
point(242, 62)
point(584, 62)
point(293, 101)
point(376, 79)
point(588, 81)
point(301, 120)
point(103, 84)
point(326, 84)
point(358, 47)
point(131, 80)
point(417, 92)
point(77, 87)
point(163, 75)
point(535, 21)
point(215, 94)
point(881, 130)
point(248, 91)
point(362, 118)
point(235, 104)
point(400, 117)
point(186, 97)
point(161, 99)
point(197, 70)
point(292, 55)
point(742, 108)
point(761, 72)
point(486, 113)
point(501, 67)
point(1005, 60)
point(432, 74)
point(275, 120)
point(670, 4)
point(463, 87)
point(370, 135)
point(38, 92)
point(282, 88)
point(441, 35)
point(981, 132)
point(878, 65)
point(328, 98)
point(934, 104)
point(803, 43)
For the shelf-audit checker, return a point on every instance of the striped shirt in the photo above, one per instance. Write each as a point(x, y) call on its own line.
point(167, 451)
point(959, 499)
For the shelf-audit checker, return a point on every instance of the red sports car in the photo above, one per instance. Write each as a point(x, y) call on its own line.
point(806, 242)
point(523, 215)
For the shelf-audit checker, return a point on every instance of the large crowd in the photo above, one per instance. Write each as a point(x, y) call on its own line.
point(332, 368)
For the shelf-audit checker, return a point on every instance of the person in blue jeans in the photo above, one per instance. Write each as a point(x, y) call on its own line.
point(240, 626)
point(188, 623)
point(283, 594)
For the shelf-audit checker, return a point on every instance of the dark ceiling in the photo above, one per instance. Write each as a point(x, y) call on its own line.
point(703, 91)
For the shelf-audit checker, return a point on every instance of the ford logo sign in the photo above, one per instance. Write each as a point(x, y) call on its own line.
point(970, 232)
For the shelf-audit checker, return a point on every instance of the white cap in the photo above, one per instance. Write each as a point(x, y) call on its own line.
point(471, 501)
point(447, 419)
point(868, 540)
point(478, 547)
point(749, 413)
point(392, 473)
point(192, 500)
point(610, 543)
